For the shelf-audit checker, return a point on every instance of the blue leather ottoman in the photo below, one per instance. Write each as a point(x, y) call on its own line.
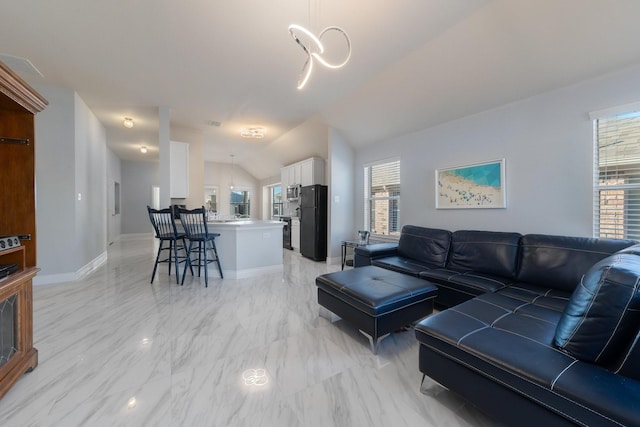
point(376, 300)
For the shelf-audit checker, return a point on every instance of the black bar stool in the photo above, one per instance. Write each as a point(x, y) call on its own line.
point(164, 226)
point(194, 223)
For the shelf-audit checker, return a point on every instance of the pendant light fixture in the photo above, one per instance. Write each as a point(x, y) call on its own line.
point(315, 49)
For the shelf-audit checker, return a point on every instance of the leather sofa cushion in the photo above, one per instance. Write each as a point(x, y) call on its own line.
point(512, 343)
point(468, 282)
point(559, 262)
point(489, 252)
point(601, 319)
point(425, 245)
point(402, 265)
point(552, 299)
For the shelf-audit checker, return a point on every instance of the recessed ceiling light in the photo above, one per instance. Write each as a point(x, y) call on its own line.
point(128, 122)
point(143, 149)
point(254, 133)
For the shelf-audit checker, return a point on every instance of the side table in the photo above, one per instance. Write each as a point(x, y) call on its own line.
point(354, 244)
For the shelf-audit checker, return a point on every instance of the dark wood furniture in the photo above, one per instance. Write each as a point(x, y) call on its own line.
point(18, 105)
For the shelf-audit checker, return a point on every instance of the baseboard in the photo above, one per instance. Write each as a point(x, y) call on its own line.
point(134, 236)
point(249, 272)
point(50, 279)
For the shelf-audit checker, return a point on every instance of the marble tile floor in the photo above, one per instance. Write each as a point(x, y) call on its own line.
point(115, 350)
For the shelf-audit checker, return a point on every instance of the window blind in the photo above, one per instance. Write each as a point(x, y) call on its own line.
point(382, 198)
point(617, 177)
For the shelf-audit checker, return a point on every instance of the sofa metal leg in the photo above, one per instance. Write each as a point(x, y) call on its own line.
point(431, 387)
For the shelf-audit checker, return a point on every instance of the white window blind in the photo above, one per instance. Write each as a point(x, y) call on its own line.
point(617, 177)
point(382, 198)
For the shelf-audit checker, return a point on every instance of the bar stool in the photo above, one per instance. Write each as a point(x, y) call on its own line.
point(164, 226)
point(194, 223)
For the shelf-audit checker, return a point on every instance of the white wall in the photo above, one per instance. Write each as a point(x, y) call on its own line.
point(341, 181)
point(547, 142)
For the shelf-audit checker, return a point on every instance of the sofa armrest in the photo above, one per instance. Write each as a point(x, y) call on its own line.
point(364, 254)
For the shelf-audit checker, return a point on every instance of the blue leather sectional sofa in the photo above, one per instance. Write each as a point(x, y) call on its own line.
point(535, 329)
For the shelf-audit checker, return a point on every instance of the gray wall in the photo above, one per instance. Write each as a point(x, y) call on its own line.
point(114, 223)
point(138, 179)
point(71, 160)
point(341, 181)
point(55, 182)
point(547, 142)
point(91, 184)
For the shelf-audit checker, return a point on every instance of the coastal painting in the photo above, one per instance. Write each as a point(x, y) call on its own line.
point(480, 185)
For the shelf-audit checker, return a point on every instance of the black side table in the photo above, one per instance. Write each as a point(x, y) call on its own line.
point(354, 244)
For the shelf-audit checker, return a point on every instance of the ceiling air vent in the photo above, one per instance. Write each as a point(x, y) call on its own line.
point(213, 123)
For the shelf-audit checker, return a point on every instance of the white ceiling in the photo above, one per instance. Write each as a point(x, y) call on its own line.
point(415, 63)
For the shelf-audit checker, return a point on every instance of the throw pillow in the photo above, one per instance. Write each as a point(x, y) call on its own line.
point(603, 314)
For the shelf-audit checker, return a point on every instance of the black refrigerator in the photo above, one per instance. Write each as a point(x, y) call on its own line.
point(313, 222)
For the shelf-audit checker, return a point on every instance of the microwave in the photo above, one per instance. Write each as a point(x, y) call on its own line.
point(293, 192)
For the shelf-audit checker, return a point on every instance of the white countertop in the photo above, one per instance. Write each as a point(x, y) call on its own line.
point(244, 223)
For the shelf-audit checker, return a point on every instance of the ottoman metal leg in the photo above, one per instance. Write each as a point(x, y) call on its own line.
point(373, 342)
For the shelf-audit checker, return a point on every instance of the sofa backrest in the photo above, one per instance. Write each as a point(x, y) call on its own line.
point(487, 252)
point(559, 262)
point(427, 245)
point(630, 360)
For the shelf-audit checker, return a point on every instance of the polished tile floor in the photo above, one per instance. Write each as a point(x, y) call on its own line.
point(117, 351)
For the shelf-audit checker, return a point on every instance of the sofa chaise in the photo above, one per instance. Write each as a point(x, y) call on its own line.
point(535, 329)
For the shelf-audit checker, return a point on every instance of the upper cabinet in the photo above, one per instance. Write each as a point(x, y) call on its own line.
point(306, 172)
point(312, 172)
point(179, 170)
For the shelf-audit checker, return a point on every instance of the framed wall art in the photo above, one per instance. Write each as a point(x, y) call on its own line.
point(479, 185)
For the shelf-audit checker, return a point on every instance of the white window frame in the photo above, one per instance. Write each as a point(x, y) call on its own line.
point(622, 222)
point(368, 199)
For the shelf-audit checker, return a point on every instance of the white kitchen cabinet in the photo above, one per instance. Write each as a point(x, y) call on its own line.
point(295, 234)
point(312, 171)
point(294, 174)
point(179, 170)
point(306, 172)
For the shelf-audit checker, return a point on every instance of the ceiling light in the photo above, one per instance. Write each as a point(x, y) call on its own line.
point(255, 133)
point(128, 122)
point(143, 149)
point(316, 51)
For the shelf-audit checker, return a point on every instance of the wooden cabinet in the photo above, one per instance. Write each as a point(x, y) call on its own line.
point(179, 170)
point(18, 105)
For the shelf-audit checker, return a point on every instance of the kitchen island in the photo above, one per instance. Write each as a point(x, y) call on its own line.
point(247, 248)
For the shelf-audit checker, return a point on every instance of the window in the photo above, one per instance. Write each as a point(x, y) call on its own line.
point(382, 198)
point(617, 177)
point(276, 200)
point(211, 199)
point(240, 203)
